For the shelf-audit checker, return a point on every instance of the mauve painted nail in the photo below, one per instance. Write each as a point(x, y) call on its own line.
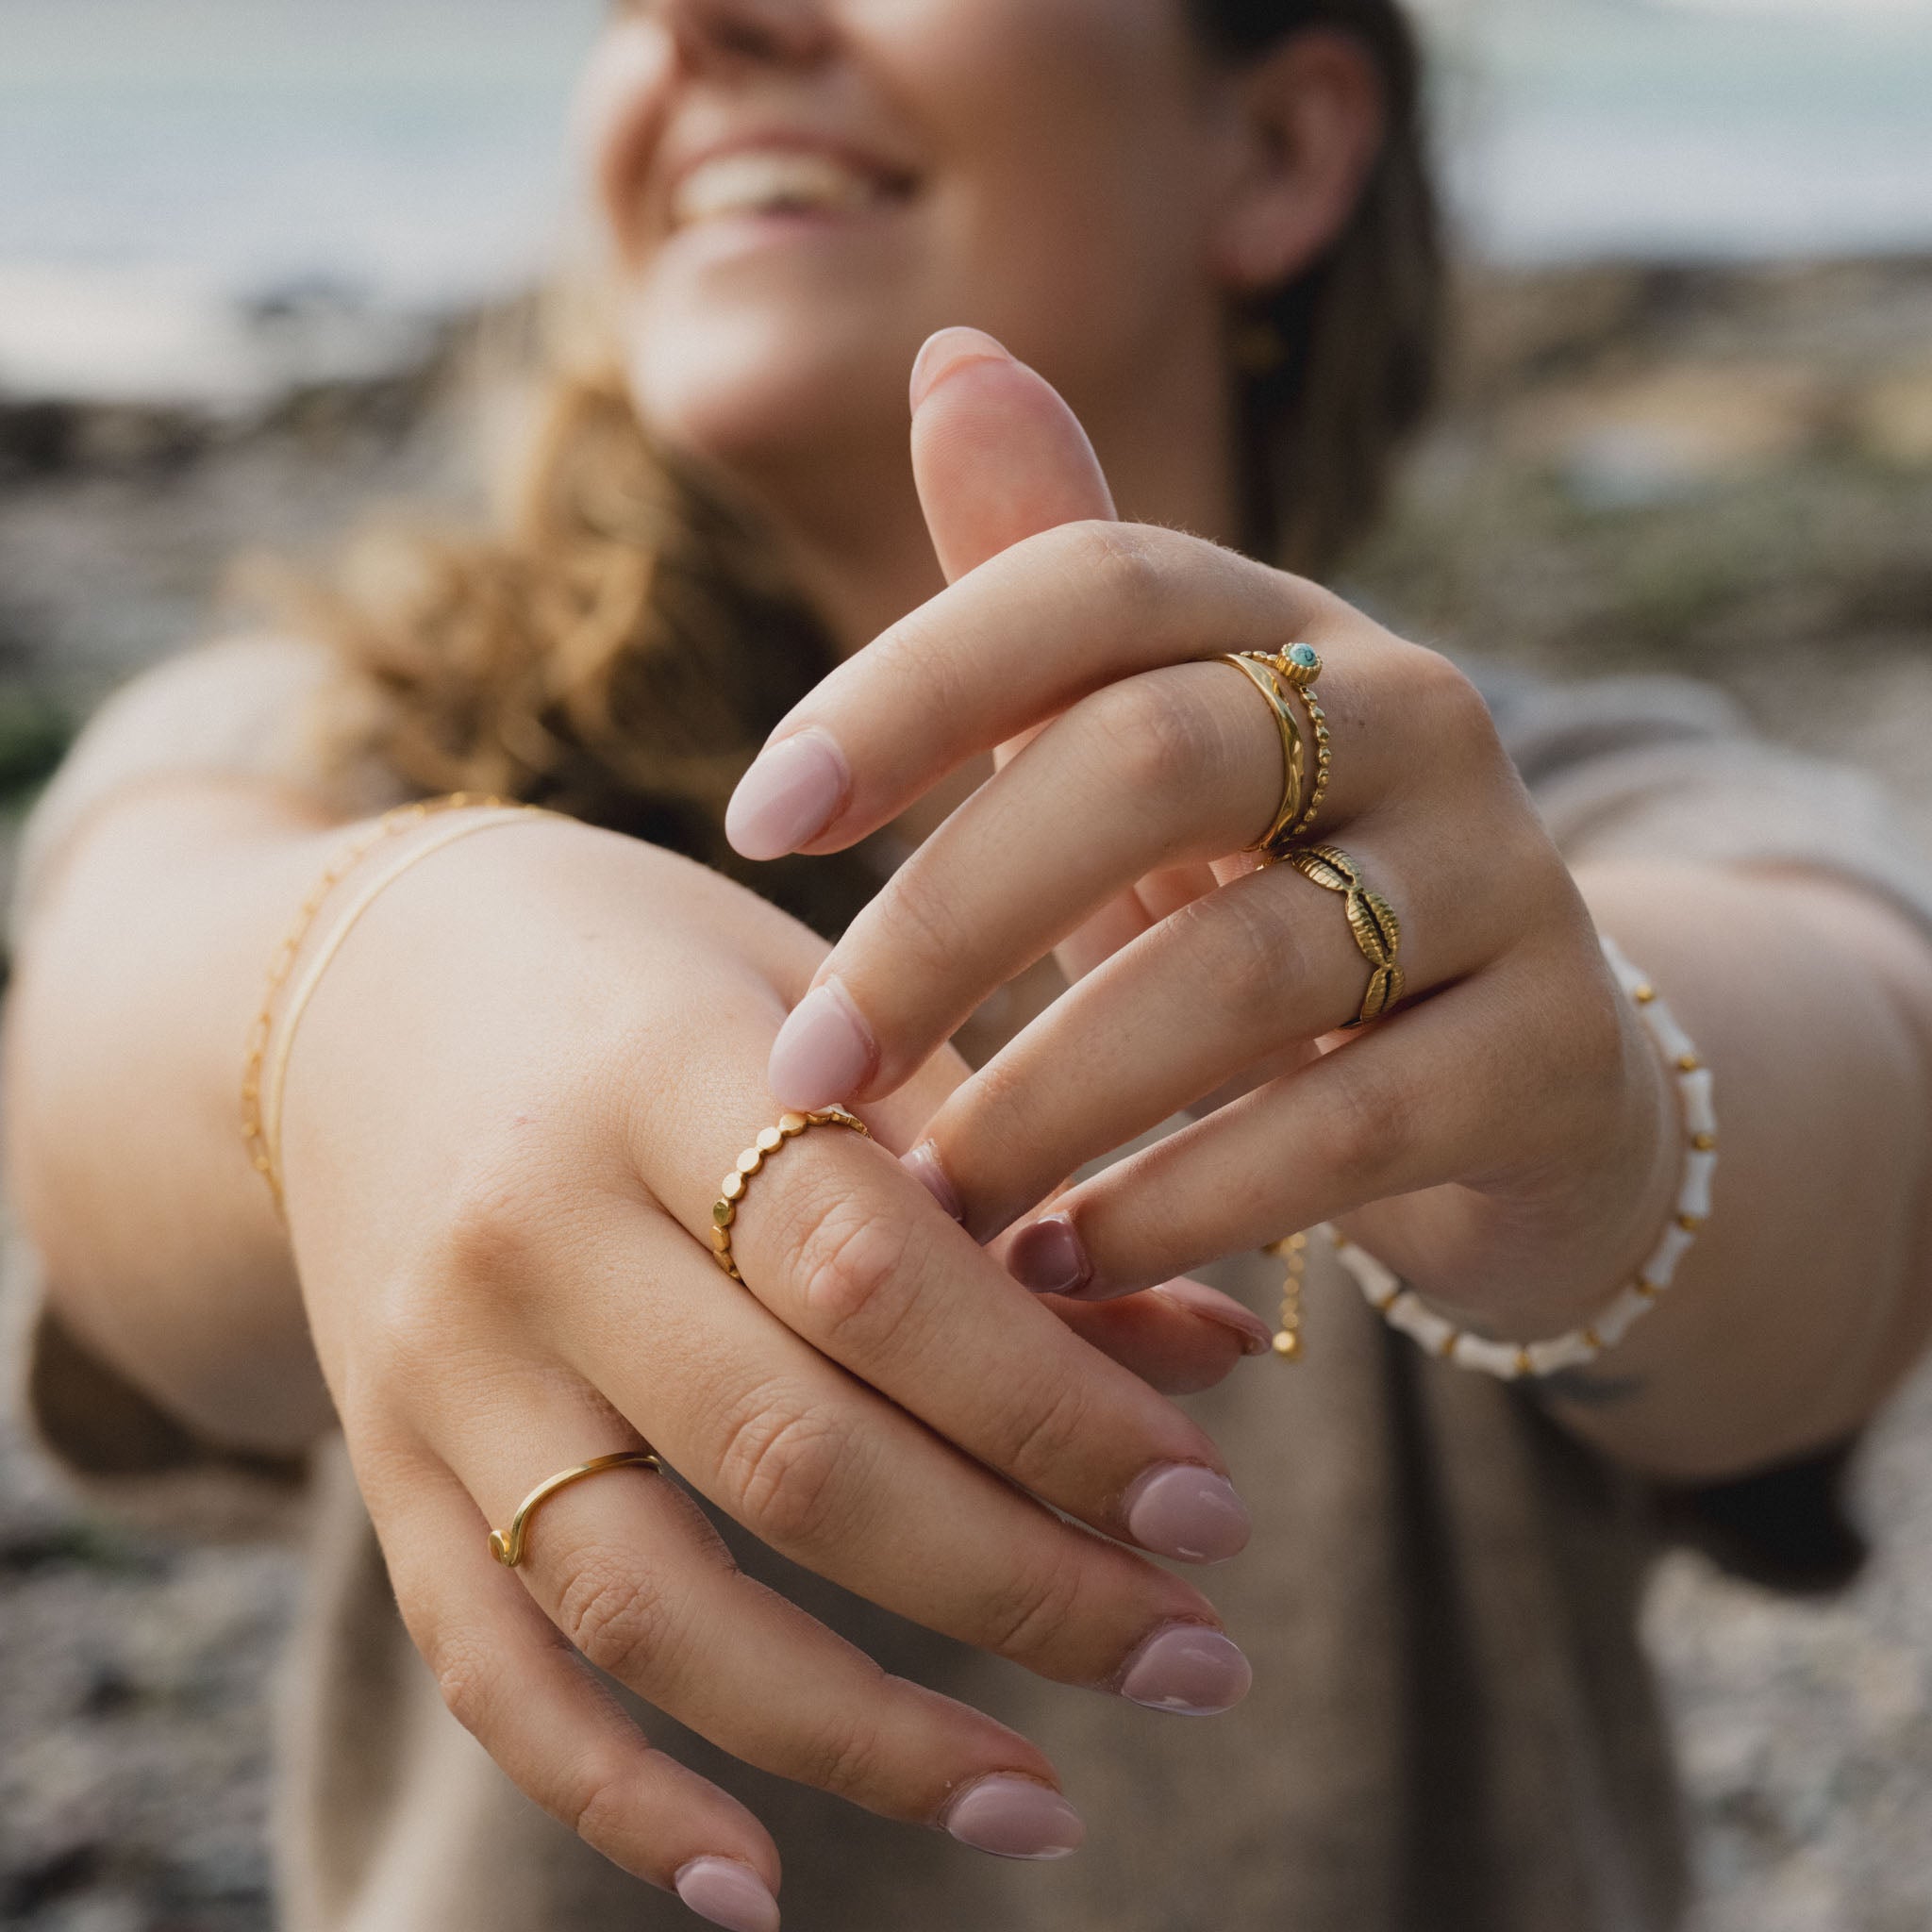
point(1184, 1510)
point(1014, 1818)
point(1048, 1258)
point(925, 1165)
point(790, 794)
point(1211, 1305)
point(1188, 1670)
point(823, 1052)
point(728, 1895)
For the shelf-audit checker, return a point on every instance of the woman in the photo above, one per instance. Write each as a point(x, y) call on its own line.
point(524, 1056)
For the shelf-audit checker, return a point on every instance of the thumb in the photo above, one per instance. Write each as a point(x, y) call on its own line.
point(996, 453)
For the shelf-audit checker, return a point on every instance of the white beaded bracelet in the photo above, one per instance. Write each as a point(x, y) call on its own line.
point(1402, 1308)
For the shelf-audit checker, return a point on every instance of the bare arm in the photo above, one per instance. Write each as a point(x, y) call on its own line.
point(139, 973)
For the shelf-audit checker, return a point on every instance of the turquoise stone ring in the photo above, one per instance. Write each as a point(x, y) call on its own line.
point(1302, 662)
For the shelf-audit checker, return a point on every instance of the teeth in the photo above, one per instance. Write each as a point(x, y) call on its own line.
point(770, 182)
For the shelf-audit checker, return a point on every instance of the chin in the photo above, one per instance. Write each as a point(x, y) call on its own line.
point(769, 393)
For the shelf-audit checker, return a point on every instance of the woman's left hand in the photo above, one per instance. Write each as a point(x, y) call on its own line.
point(1503, 1137)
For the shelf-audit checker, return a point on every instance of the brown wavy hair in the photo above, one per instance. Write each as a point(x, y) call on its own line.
point(621, 644)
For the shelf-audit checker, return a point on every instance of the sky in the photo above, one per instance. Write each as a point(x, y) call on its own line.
point(158, 158)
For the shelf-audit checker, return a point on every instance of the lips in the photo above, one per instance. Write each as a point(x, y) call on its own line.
point(776, 175)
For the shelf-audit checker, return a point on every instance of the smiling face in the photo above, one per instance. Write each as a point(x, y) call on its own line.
point(799, 191)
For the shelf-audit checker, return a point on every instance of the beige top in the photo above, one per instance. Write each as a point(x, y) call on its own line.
point(1451, 1726)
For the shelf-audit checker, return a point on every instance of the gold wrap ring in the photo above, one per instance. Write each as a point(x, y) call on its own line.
point(508, 1549)
point(1371, 918)
point(1305, 782)
point(1260, 671)
point(731, 1196)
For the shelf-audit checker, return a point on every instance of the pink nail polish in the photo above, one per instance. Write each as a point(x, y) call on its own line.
point(949, 350)
point(1014, 1818)
point(790, 794)
point(925, 1165)
point(728, 1895)
point(823, 1052)
point(1049, 1258)
point(1188, 1670)
point(1211, 1305)
point(1189, 1512)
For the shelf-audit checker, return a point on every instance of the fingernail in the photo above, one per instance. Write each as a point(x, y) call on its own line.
point(823, 1052)
point(950, 349)
point(1184, 1510)
point(1048, 1258)
point(1211, 1305)
point(728, 1895)
point(1189, 1670)
point(790, 794)
point(1015, 1818)
point(925, 1165)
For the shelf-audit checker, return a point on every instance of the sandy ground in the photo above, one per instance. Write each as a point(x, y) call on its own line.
point(1726, 474)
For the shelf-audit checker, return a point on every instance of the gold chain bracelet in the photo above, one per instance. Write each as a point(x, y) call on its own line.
point(393, 824)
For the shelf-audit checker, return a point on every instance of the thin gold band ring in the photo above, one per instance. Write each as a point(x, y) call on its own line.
point(508, 1549)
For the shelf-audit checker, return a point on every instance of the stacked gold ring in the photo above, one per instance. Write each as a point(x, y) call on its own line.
point(731, 1194)
point(1264, 673)
point(1371, 918)
point(1301, 664)
point(1279, 677)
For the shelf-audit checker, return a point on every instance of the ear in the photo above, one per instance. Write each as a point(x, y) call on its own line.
point(1311, 119)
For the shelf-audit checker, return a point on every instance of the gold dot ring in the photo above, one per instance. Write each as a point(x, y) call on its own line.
point(752, 1161)
point(509, 1547)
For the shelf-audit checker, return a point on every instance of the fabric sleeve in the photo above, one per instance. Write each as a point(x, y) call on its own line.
point(1650, 768)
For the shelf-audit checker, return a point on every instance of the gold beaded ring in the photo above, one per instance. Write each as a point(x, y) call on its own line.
point(1301, 664)
point(1265, 675)
point(1371, 918)
point(507, 1548)
point(731, 1196)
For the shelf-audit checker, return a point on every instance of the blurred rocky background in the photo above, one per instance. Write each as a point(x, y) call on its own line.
point(1692, 430)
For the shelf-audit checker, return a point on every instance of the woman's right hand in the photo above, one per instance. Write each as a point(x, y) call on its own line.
point(509, 1109)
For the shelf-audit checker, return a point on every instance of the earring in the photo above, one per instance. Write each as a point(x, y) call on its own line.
point(1258, 347)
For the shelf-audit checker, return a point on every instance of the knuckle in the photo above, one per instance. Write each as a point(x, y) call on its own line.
point(1457, 713)
point(1154, 742)
point(786, 1463)
point(601, 1805)
point(1255, 954)
point(1371, 1129)
point(1047, 1431)
point(849, 1266)
point(846, 1758)
point(1121, 561)
point(464, 1677)
point(1023, 1620)
point(925, 934)
point(617, 1614)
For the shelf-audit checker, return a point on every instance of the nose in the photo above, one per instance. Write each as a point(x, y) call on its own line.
point(709, 32)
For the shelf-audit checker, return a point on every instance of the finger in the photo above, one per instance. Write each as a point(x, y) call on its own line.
point(997, 456)
point(626, 1567)
point(1012, 644)
point(843, 1482)
point(1176, 765)
point(1436, 1096)
point(1260, 968)
point(1180, 1338)
point(510, 1680)
point(852, 1253)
